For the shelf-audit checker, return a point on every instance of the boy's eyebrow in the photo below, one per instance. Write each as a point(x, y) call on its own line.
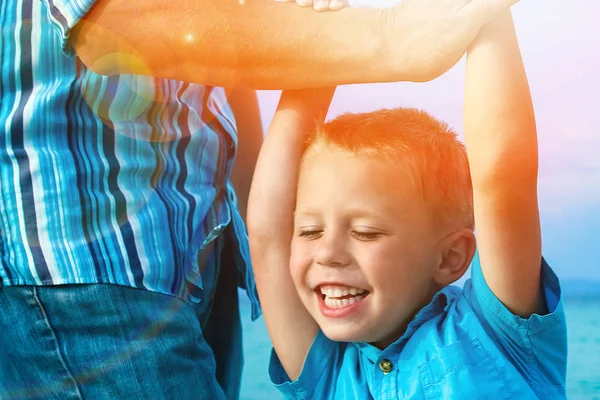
point(305, 212)
point(352, 212)
point(361, 213)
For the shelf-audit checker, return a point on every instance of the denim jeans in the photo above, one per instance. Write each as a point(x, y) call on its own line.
point(104, 341)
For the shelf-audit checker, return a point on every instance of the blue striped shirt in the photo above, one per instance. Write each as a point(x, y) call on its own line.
point(120, 180)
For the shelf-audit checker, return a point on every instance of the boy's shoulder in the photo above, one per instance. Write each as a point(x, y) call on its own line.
point(466, 342)
point(473, 314)
point(477, 297)
point(472, 334)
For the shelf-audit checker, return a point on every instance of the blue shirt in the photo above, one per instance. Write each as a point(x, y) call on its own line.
point(464, 345)
point(120, 180)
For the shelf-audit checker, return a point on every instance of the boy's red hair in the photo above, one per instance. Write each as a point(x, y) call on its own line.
point(421, 146)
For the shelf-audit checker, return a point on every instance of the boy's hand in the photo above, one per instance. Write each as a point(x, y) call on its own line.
point(428, 37)
point(320, 5)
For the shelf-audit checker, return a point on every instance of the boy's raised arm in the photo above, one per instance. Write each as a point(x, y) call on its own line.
point(271, 222)
point(501, 143)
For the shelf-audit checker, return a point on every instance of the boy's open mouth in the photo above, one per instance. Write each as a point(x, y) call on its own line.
point(338, 296)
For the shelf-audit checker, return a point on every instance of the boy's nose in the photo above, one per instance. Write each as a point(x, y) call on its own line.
point(332, 252)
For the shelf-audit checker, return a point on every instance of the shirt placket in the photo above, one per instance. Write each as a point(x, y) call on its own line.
point(386, 378)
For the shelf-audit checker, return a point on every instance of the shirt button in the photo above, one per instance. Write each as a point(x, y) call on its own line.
point(385, 366)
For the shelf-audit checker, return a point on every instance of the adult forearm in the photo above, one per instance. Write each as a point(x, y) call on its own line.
point(499, 122)
point(244, 105)
point(255, 43)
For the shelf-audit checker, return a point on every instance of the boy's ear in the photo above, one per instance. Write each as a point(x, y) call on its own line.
point(458, 250)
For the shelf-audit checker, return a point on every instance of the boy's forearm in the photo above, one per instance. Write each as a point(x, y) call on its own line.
point(260, 44)
point(499, 119)
point(273, 194)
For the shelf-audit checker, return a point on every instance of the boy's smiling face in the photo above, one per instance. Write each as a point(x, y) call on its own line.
point(364, 251)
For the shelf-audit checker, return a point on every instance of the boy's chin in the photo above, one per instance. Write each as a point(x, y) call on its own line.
point(345, 334)
point(354, 334)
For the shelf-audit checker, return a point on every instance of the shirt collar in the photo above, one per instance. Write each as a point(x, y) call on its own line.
point(438, 304)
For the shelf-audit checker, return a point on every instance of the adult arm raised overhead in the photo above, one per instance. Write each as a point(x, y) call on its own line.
point(263, 44)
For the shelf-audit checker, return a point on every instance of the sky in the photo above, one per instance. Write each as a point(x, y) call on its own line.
point(560, 44)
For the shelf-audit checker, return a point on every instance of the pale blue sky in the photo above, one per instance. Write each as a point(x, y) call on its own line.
point(560, 42)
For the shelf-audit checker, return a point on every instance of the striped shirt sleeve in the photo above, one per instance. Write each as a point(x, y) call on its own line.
point(65, 14)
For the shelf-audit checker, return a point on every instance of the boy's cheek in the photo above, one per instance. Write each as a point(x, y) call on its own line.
point(300, 251)
point(298, 263)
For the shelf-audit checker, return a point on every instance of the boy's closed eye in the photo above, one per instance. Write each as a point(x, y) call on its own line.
point(366, 236)
point(310, 233)
point(363, 235)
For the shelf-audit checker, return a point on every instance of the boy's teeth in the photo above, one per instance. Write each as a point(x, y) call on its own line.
point(339, 303)
point(341, 296)
point(340, 291)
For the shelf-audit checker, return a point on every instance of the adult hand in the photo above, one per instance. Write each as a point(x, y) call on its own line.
point(432, 35)
point(427, 37)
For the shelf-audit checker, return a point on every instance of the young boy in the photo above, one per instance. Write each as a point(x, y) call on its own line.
point(359, 306)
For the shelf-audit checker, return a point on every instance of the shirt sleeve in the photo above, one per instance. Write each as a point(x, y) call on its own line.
point(64, 15)
point(318, 374)
point(536, 346)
